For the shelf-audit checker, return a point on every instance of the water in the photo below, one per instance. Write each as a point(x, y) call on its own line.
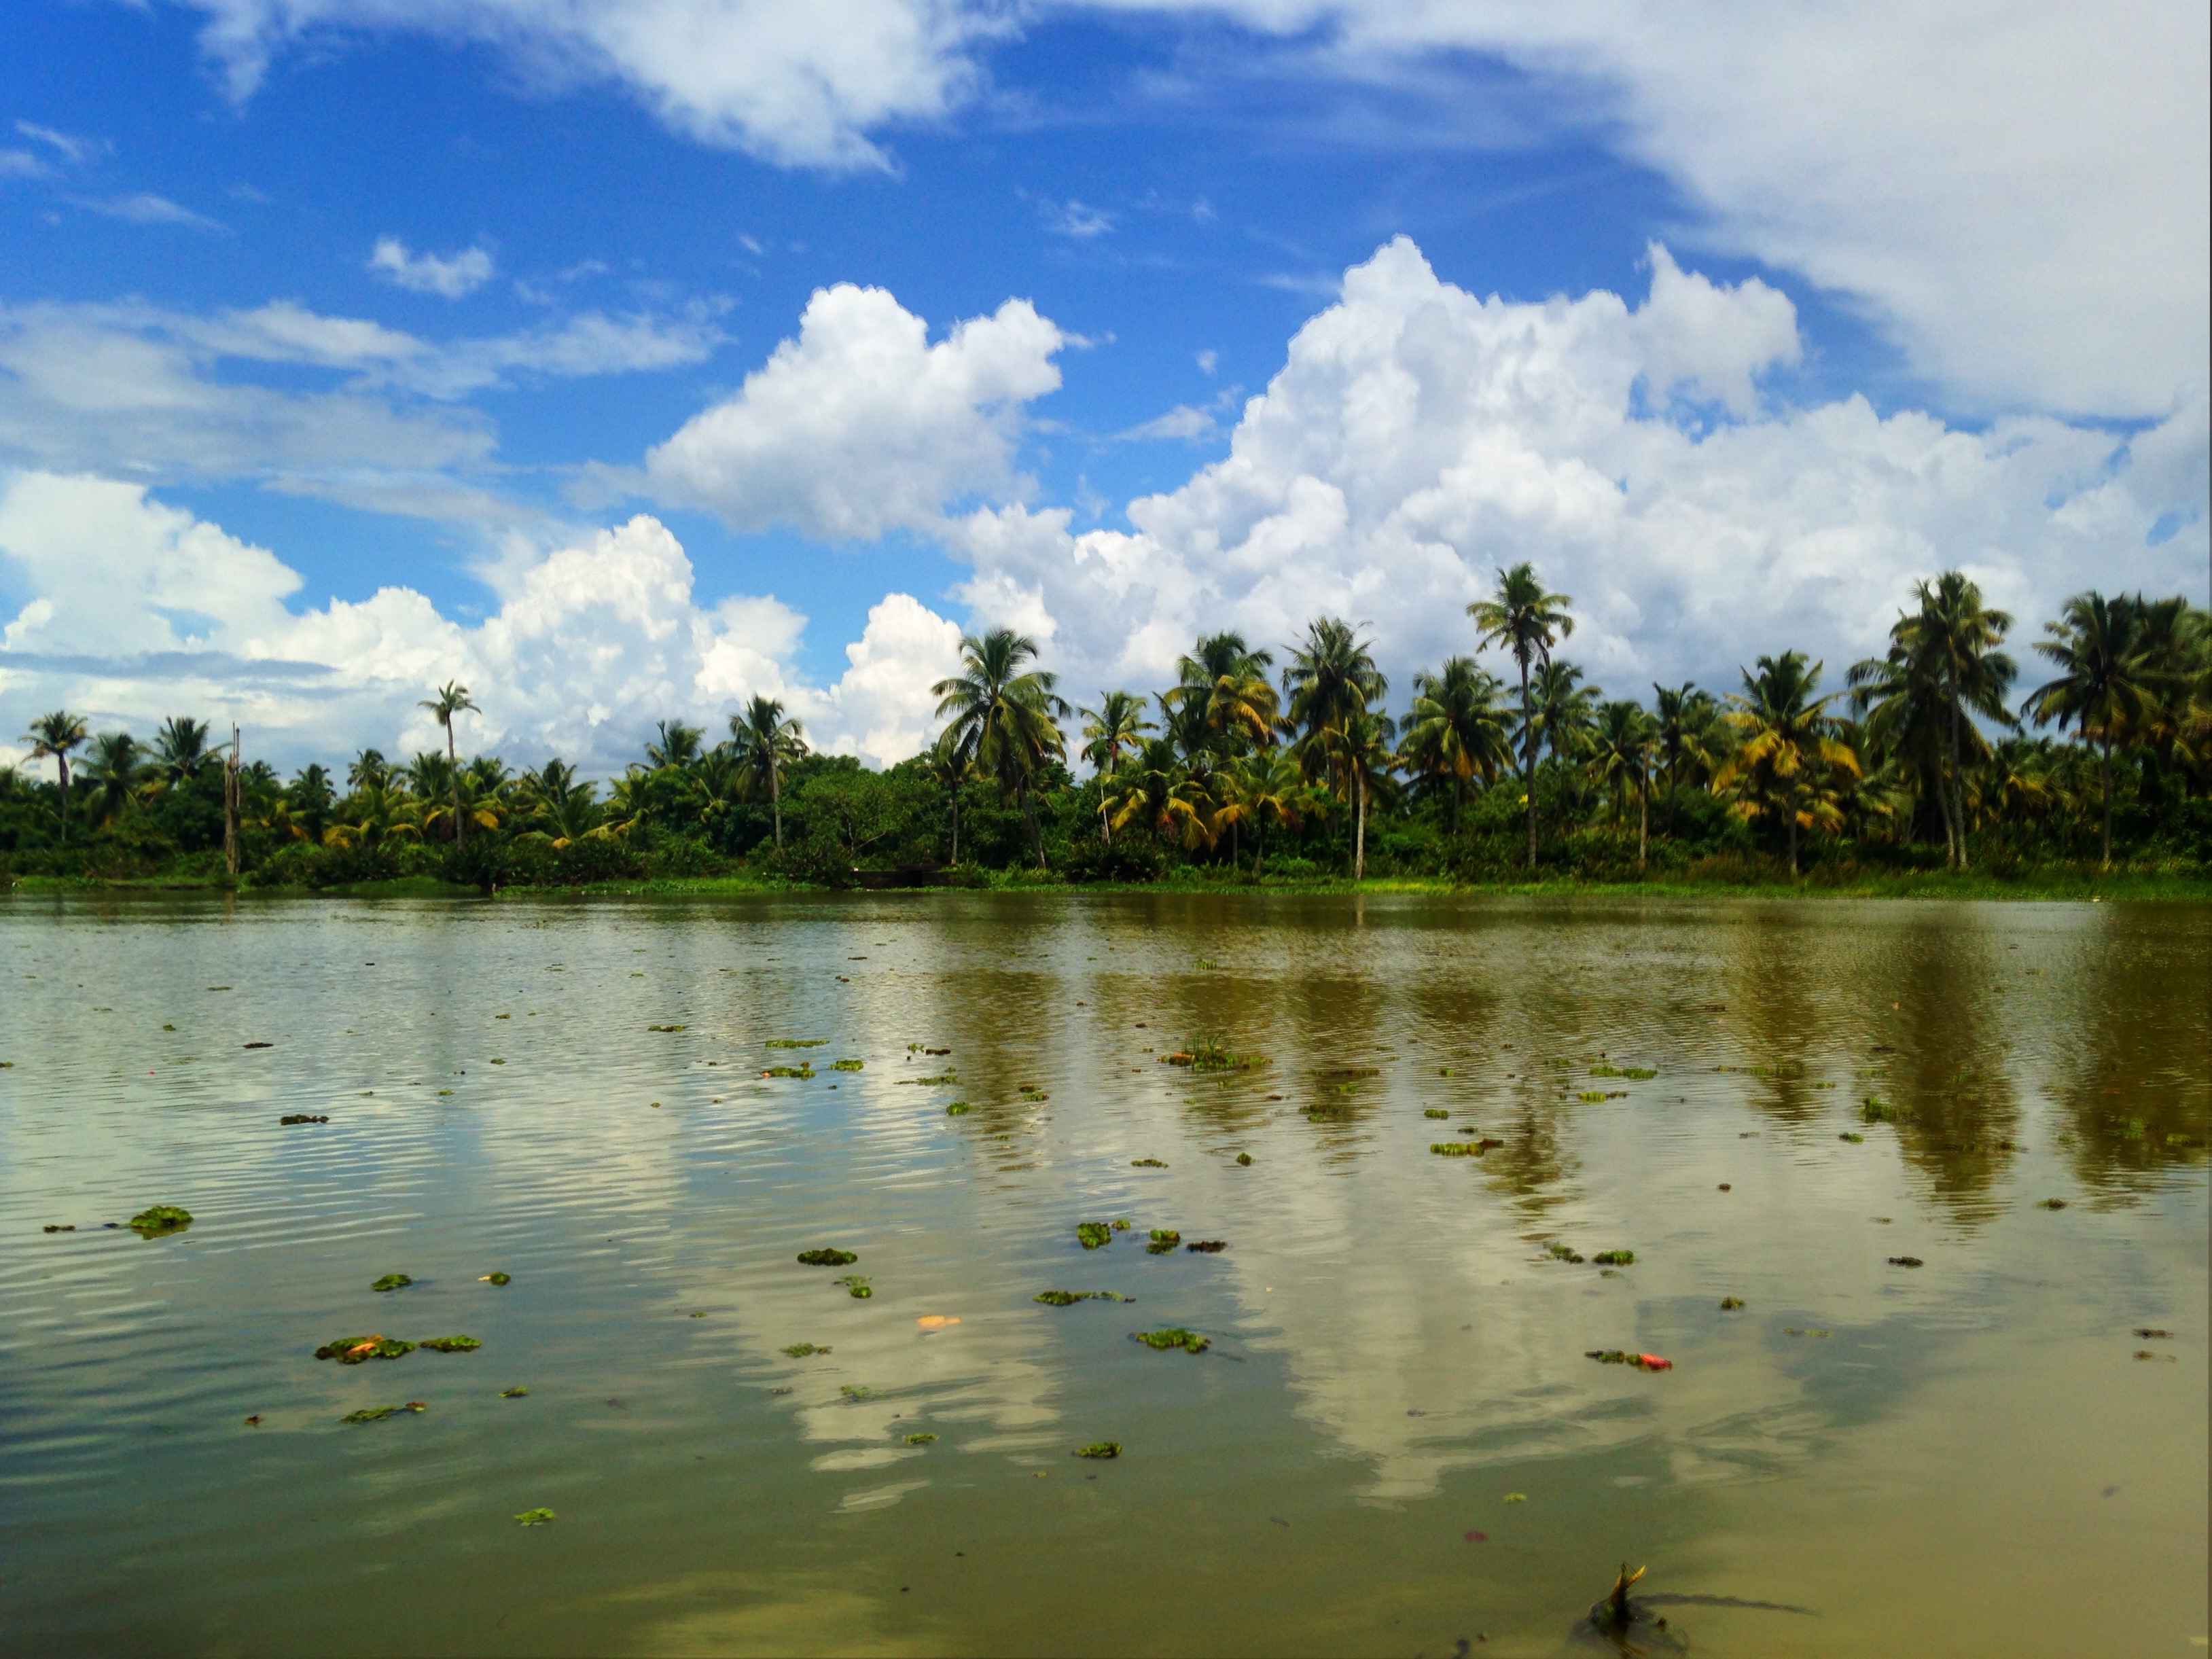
point(1965, 1457)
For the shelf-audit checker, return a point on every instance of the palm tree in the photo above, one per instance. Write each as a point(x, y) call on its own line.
point(180, 752)
point(2105, 684)
point(1360, 747)
point(112, 768)
point(1456, 731)
point(1527, 620)
point(1791, 744)
point(1271, 787)
point(308, 799)
point(1005, 716)
point(763, 740)
point(564, 808)
point(1948, 650)
point(1222, 698)
point(57, 734)
point(368, 766)
point(452, 698)
point(1686, 717)
point(373, 815)
point(1117, 724)
point(1900, 696)
point(951, 763)
point(1565, 710)
point(1623, 745)
point(676, 745)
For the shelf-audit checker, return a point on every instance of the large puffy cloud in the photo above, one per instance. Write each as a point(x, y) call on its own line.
point(860, 425)
point(137, 610)
point(1418, 437)
point(2017, 189)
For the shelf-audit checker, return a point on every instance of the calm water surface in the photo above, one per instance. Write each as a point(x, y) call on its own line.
point(1971, 1456)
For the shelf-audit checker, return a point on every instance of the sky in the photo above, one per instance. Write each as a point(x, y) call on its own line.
point(624, 359)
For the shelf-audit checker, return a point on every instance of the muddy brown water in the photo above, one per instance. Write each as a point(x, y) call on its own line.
point(1394, 1444)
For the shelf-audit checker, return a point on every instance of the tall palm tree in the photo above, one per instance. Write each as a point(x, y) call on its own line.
point(1525, 618)
point(1118, 724)
point(56, 735)
point(763, 739)
point(563, 807)
point(1901, 697)
point(1623, 745)
point(1960, 636)
point(1790, 747)
point(1272, 788)
point(1360, 748)
point(1006, 715)
point(180, 752)
point(452, 698)
point(114, 768)
point(1564, 709)
point(368, 766)
point(2106, 684)
point(675, 747)
point(308, 799)
point(1687, 715)
point(951, 764)
point(1456, 731)
point(1221, 698)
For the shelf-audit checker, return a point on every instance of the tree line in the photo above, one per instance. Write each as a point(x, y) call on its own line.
point(1934, 751)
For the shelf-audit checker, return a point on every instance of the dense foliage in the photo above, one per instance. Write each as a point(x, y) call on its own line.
point(1927, 756)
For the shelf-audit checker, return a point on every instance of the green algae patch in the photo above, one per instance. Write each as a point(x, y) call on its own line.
point(393, 1282)
point(161, 1218)
point(496, 1279)
point(797, 1042)
point(1069, 1298)
point(533, 1517)
point(857, 1285)
point(1164, 1239)
point(827, 1258)
point(848, 1066)
point(800, 1350)
point(451, 1344)
point(1614, 1258)
point(1436, 1112)
point(355, 1350)
point(1093, 1234)
point(1099, 1448)
point(1174, 1337)
point(924, 1438)
point(1147, 1164)
point(958, 1108)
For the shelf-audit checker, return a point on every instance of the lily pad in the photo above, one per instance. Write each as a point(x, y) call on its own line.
point(161, 1218)
point(354, 1350)
point(828, 1258)
point(1174, 1337)
point(1093, 1234)
point(450, 1344)
point(533, 1517)
point(1100, 1449)
point(393, 1282)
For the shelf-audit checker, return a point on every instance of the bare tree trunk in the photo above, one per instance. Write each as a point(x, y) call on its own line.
point(1950, 830)
point(61, 761)
point(1359, 834)
point(1790, 822)
point(775, 798)
point(2106, 768)
point(230, 805)
point(1644, 823)
point(1528, 762)
point(453, 765)
point(956, 823)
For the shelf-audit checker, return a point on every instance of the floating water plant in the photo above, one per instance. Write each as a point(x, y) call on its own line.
point(857, 1285)
point(932, 1082)
point(1876, 1110)
point(1164, 1239)
point(1244, 1158)
point(958, 1108)
point(925, 1438)
point(392, 1282)
point(1516, 1496)
point(1856, 1140)
point(1561, 1252)
point(1730, 1304)
point(451, 1344)
point(1456, 1148)
point(1147, 1164)
point(1906, 1261)
point(1069, 1298)
point(496, 1279)
point(846, 1065)
point(667, 1028)
point(800, 1350)
point(1615, 1258)
point(533, 1517)
point(797, 1042)
point(828, 1258)
point(1122, 1225)
point(513, 1393)
point(2052, 1204)
point(161, 1218)
point(1174, 1337)
point(290, 1118)
point(1207, 1246)
point(1436, 1112)
point(378, 1414)
point(353, 1350)
point(802, 1071)
point(1097, 1449)
point(1641, 1362)
point(1640, 1072)
point(855, 1391)
point(1596, 1094)
point(2152, 1333)
point(1093, 1234)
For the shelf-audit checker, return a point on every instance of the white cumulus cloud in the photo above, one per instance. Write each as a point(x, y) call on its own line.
point(139, 610)
point(427, 273)
point(860, 425)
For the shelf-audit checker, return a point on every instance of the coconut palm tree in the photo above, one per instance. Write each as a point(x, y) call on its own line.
point(1272, 788)
point(1688, 718)
point(180, 752)
point(56, 735)
point(1952, 642)
point(1360, 749)
point(373, 815)
point(1116, 726)
point(675, 747)
point(114, 766)
point(1565, 710)
point(1785, 766)
point(1222, 698)
point(1624, 745)
point(563, 808)
point(1526, 619)
point(1901, 697)
point(308, 800)
point(951, 764)
point(2106, 685)
point(368, 766)
point(452, 698)
point(1456, 731)
point(763, 739)
point(1006, 715)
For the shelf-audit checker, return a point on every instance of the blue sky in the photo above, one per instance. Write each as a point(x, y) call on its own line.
point(1979, 270)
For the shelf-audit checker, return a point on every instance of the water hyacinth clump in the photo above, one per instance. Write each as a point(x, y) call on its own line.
point(827, 1258)
point(1174, 1337)
point(393, 1282)
point(1614, 1258)
point(1164, 1239)
point(857, 1285)
point(1093, 1234)
point(1100, 1449)
point(161, 1218)
point(354, 1350)
point(450, 1344)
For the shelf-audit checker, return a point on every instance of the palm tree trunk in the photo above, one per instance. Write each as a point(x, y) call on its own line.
point(1359, 834)
point(1528, 761)
point(1643, 822)
point(775, 798)
point(956, 823)
point(2106, 770)
point(453, 765)
point(1950, 830)
point(1028, 818)
point(1789, 822)
point(61, 762)
point(1459, 788)
point(1958, 782)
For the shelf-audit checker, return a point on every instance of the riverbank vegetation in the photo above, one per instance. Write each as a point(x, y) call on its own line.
point(1944, 764)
